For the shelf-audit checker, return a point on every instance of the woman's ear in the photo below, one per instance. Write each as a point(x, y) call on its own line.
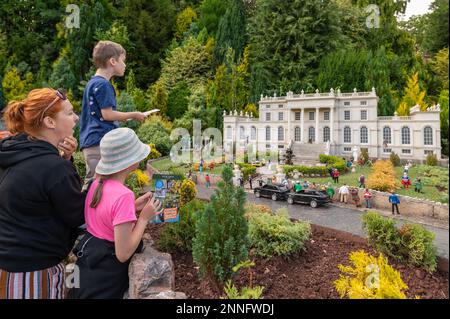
point(49, 122)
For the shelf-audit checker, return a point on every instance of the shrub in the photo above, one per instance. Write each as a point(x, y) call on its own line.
point(382, 234)
point(187, 191)
point(80, 164)
point(153, 154)
point(412, 244)
point(178, 236)
point(231, 292)
point(276, 235)
point(333, 161)
point(221, 239)
point(156, 133)
point(431, 160)
point(306, 170)
point(133, 184)
point(364, 156)
point(382, 177)
point(395, 159)
point(250, 292)
point(369, 278)
point(251, 208)
point(417, 246)
point(247, 170)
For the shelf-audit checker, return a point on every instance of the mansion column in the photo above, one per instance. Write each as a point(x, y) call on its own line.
point(302, 126)
point(289, 126)
point(331, 124)
point(317, 127)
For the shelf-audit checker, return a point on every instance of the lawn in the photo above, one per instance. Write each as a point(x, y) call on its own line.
point(166, 164)
point(429, 191)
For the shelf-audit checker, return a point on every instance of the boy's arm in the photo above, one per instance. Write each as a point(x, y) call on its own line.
point(109, 114)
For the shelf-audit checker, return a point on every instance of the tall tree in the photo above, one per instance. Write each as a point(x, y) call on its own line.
point(29, 26)
point(437, 26)
point(184, 20)
point(288, 40)
point(62, 75)
point(413, 96)
point(210, 13)
point(231, 32)
point(151, 24)
point(443, 102)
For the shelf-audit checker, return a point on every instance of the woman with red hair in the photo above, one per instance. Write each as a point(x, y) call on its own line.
point(41, 203)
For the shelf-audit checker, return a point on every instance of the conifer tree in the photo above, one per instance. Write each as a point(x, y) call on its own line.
point(413, 96)
point(221, 239)
point(231, 32)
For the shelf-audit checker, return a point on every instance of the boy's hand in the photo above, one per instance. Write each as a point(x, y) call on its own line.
point(139, 116)
point(68, 146)
point(152, 207)
point(141, 201)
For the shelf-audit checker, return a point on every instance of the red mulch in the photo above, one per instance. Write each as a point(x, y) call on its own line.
point(308, 274)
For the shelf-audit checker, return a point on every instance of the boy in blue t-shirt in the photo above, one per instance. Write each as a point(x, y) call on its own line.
point(99, 115)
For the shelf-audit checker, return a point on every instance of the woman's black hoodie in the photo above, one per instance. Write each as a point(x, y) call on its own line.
point(41, 205)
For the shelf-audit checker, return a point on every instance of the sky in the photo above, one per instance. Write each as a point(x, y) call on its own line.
point(416, 7)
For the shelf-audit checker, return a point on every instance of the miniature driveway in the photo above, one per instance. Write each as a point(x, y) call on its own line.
point(332, 216)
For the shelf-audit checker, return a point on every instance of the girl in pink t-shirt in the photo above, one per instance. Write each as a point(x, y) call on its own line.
point(113, 230)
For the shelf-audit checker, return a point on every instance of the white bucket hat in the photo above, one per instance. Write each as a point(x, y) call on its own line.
point(119, 149)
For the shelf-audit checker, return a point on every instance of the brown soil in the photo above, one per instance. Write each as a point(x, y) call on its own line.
point(306, 275)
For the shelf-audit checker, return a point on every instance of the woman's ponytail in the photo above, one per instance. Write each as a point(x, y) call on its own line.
point(14, 117)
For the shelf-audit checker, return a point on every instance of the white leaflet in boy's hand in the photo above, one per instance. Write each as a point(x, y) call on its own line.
point(150, 112)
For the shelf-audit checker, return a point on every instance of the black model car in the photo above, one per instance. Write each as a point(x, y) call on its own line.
point(311, 197)
point(274, 191)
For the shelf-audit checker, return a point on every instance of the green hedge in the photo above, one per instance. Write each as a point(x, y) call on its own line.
point(412, 243)
point(333, 161)
point(276, 235)
point(306, 170)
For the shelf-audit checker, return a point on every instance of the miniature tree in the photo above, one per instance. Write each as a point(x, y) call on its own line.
point(288, 156)
point(221, 240)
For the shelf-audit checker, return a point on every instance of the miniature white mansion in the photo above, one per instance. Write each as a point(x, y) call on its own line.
point(335, 123)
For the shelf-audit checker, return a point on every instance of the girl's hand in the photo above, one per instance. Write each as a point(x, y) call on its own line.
point(151, 208)
point(141, 201)
point(68, 146)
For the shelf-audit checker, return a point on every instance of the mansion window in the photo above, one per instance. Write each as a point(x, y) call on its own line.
point(253, 133)
point(364, 135)
point(427, 136)
point(281, 133)
point(326, 134)
point(297, 116)
point(347, 115)
point(267, 133)
point(363, 103)
point(347, 135)
point(346, 103)
point(347, 149)
point(280, 116)
point(428, 152)
point(326, 116)
point(229, 133)
point(267, 116)
point(387, 135)
point(406, 151)
point(280, 106)
point(297, 134)
point(406, 136)
point(312, 134)
point(268, 106)
point(241, 132)
point(311, 116)
point(363, 115)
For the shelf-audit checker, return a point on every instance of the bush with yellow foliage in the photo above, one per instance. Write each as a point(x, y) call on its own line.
point(369, 278)
point(186, 189)
point(383, 177)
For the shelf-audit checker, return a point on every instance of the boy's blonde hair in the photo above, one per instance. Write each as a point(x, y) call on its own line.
point(105, 50)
